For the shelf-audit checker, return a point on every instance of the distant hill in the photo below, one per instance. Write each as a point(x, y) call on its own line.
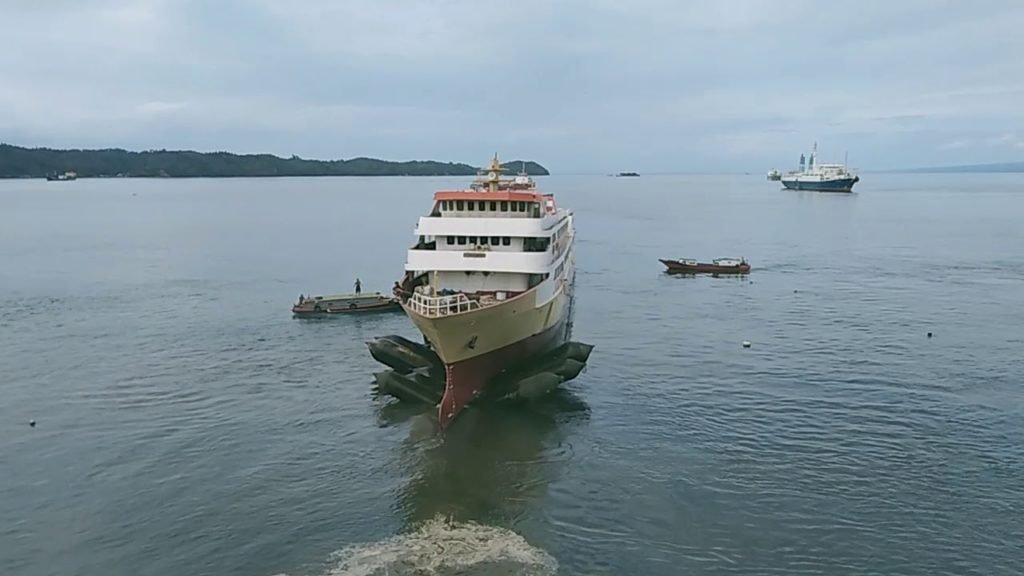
point(970, 168)
point(18, 162)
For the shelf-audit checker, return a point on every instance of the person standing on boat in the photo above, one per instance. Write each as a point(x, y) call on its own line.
point(359, 286)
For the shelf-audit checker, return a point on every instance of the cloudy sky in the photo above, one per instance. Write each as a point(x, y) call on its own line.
point(579, 85)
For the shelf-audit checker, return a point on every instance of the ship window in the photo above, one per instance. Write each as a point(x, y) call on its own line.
point(473, 240)
point(522, 206)
point(515, 206)
point(459, 205)
point(504, 206)
point(495, 240)
point(494, 206)
point(481, 205)
point(483, 240)
point(505, 241)
point(451, 240)
point(462, 239)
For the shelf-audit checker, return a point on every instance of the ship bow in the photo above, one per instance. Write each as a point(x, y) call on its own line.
point(476, 346)
point(464, 382)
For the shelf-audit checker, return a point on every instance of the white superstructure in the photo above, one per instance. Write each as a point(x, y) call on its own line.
point(491, 243)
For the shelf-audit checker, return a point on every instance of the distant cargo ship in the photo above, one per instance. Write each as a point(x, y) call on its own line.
point(62, 177)
point(820, 177)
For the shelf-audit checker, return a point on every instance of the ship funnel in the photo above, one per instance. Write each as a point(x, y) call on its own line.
point(802, 161)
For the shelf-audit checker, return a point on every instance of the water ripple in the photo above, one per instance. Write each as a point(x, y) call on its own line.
point(187, 424)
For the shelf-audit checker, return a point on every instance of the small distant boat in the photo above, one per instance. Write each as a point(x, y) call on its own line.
point(717, 266)
point(344, 304)
point(774, 175)
point(69, 175)
point(626, 174)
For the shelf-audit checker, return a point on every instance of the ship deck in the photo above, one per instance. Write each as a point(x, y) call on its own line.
point(457, 303)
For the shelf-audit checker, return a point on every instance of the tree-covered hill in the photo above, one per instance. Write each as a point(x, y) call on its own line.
point(19, 162)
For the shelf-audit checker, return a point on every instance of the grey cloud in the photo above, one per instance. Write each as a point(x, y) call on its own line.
point(579, 85)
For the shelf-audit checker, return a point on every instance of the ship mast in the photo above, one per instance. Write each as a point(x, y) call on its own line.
point(494, 174)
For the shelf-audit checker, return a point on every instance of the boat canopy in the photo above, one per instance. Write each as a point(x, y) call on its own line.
point(727, 261)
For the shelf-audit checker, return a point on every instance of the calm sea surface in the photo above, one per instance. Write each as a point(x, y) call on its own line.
point(188, 425)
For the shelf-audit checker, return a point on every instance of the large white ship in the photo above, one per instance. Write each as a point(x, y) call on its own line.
point(490, 281)
point(820, 177)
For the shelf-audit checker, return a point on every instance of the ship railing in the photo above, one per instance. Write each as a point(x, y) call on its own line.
point(436, 306)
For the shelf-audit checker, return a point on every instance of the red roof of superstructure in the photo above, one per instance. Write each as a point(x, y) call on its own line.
point(510, 195)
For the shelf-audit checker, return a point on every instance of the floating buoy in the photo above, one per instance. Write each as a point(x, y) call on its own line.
point(32, 423)
point(746, 344)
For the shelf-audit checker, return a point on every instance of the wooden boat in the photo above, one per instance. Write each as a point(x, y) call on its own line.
point(344, 304)
point(717, 266)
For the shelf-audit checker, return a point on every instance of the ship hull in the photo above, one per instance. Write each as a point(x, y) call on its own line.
point(836, 185)
point(676, 267)
point(345, 304)
point(477, 346)
point(465, 380)
point(307, 311)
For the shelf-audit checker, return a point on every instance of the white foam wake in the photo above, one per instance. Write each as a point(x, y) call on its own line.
point(440, 547)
